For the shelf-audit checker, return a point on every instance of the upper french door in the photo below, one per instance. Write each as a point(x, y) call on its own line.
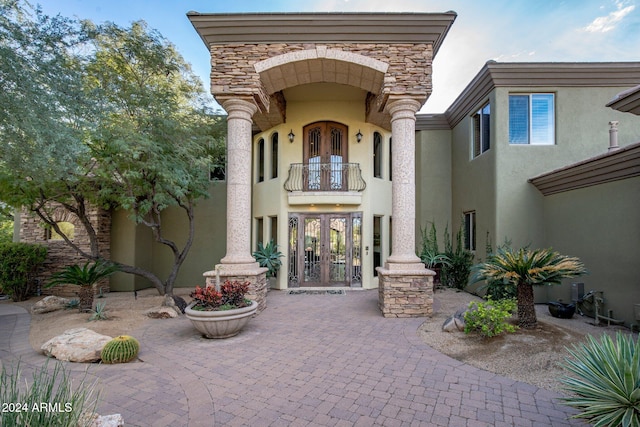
point(325, 157)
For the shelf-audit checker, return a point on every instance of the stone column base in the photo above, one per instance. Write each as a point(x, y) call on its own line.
point(257, 278)
point(405, 293)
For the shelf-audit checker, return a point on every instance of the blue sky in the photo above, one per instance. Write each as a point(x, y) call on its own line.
point(501, 30)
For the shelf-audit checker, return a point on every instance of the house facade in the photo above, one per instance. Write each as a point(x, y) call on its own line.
point(328, 157)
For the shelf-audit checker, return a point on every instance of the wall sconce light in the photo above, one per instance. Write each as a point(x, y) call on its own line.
point(291, 136)
point(359, 136)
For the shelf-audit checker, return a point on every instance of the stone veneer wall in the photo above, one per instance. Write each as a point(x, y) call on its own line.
point(409, 73)
point(405, 294)
point(60, 254)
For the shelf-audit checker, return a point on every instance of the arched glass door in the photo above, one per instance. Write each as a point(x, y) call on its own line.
point(325, 157)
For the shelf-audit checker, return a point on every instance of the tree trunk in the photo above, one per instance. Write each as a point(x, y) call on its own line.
point(85, 294)
point(526, 307)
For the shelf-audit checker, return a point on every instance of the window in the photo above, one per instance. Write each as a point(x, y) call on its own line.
point(274, 229)
point(274, 156)
point(261, 160)
point(481, 130)
point(390, 159)
point(377, 155)
point(67, 228)
point(259, 231)
point(531, 119)
point(470, 231)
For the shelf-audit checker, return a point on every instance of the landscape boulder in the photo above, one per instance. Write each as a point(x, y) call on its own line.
point(455, 323)
point(49, 303)
point(176, 302)
point(76, 345)
point(161, 312)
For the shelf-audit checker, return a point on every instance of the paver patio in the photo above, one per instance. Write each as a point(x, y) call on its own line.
point(307, 360)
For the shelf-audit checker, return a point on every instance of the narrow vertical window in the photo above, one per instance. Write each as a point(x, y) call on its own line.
point(390, 159)
point(481, 130)
point(470, 230)
point(274, 156)
point(377, 155)
point(261, 160)
point(377, 243)
point(274, 229)
point(259, 231)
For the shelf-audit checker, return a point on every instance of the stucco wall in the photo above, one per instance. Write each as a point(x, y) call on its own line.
point(270, 197)
point(135, 245)
point(582, 131)
point(599, 224)
point(433, 182)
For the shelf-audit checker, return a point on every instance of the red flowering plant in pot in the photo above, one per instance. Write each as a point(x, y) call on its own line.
point(221, 313)
point(230, 296)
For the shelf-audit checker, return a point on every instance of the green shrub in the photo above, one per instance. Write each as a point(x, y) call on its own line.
point(19, 263)
point(65, 401)
point(489, 319)
point(606, 381)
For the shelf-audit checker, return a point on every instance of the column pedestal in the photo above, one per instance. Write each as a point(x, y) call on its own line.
point(405, 293)
point(257, 278)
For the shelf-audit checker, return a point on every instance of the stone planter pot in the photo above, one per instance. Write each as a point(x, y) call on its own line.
point(220, 324)
point(561, 310)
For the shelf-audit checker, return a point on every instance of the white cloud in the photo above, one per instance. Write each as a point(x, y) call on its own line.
point(603, 24)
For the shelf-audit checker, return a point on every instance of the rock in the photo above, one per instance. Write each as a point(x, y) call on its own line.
point(76, 345)
point(455, 323)
point(50, 303)
point(175, 302)
point(161, 312)
point(95, 420)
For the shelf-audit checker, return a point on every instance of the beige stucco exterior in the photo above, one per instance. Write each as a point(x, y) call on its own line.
point(277, 78)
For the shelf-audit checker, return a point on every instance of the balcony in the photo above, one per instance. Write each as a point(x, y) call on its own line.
point(325, 183)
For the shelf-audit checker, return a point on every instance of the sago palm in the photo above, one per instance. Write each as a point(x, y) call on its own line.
point(525, 268)
point(85, 277)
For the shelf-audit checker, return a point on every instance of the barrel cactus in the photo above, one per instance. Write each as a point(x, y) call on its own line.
point(121, 349)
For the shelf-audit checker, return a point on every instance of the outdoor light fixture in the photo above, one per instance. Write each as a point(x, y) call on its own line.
point(359, 136)
point(291, 136)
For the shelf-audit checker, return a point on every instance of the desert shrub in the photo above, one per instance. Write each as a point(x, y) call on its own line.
point(605, 384)
point(498, 290)
point(489, 319)
point(65, 402)
point(100, 312)
point(19, 264)
point(455, 273)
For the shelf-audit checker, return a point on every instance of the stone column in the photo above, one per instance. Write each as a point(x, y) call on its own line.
point(238, 263)
point(403, 209)
point(405, 286)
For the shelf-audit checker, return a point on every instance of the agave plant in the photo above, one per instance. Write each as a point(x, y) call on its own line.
point(525, 268)
point(606, 381)
point(85, 277)
point(268, 256)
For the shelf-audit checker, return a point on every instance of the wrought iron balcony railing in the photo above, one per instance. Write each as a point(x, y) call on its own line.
point(325, 177)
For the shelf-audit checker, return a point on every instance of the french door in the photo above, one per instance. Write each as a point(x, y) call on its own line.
point(325, 157)
point(325, 249)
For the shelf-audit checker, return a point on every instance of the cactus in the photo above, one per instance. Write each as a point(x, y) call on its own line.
point(121, 349)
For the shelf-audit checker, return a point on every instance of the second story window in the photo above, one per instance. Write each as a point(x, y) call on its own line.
point(532, 119)
point(377, 155)
point(274, 156)
point(481, 130)
point(261, 160)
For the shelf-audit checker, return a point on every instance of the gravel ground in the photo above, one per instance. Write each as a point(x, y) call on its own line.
point(532, 356)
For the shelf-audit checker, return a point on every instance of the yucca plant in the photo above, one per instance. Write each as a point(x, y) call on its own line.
point(605, 384)
point(526, 268)
point(84, 277)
